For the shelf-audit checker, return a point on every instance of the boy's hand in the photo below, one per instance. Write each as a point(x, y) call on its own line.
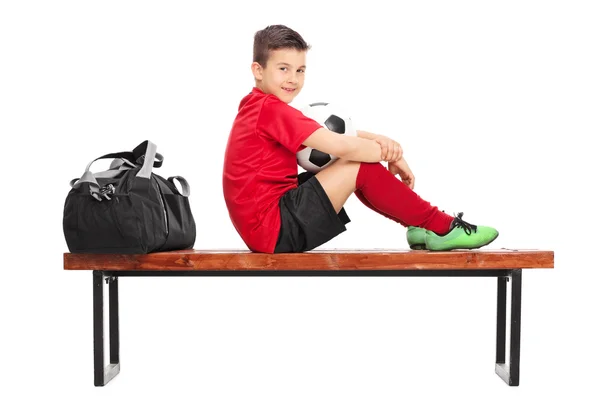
point(390, 150)
point(401, 168)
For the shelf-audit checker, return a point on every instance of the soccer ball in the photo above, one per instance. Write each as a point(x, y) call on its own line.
point(332, 118)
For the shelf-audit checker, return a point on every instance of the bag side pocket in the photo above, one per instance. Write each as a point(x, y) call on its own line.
point(182, 227)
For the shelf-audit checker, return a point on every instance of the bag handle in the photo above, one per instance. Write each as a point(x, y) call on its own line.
point(115, 170)
point(148, 158)
point(185, 186)
point(88, 177)
point(121, 162)
point(145, 151)
point(139, 154)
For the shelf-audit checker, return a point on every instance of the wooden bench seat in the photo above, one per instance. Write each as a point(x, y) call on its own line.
point(505, 264)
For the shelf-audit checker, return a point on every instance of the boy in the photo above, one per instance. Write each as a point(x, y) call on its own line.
point(276, 211)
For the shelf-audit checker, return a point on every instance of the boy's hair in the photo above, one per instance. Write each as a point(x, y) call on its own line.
point(275, 37)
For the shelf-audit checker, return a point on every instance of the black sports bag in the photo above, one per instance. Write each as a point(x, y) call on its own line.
point(128, 209)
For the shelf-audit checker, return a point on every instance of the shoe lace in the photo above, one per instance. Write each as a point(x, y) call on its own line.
point(468, 228)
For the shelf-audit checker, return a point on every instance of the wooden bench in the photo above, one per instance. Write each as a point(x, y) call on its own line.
point(505, 264)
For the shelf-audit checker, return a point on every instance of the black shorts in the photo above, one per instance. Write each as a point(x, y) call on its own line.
point(308, 218)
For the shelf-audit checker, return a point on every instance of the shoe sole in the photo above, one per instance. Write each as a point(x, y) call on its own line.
point(418, 247)
point(472, 248)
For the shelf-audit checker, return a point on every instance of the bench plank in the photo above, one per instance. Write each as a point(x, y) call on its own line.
point(369, 259)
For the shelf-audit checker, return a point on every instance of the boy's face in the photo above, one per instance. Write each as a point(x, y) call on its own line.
point(283, 75)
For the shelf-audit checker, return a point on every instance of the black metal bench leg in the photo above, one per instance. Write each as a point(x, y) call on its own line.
point(509, 372)
point(501, 321)
point(102, 374)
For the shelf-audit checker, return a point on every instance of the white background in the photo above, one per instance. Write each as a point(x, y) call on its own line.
point(495, 103)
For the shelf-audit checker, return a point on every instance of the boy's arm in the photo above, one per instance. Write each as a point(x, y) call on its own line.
point(366, 135)
point(350, 148)
point(390, 149)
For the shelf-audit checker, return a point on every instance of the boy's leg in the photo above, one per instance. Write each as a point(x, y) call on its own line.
point(339, 181)
point(366, 202)
point(387, 194)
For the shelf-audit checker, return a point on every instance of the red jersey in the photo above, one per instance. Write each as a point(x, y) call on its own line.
point(260, 165)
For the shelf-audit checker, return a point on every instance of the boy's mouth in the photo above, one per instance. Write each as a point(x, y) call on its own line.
point(289, 90)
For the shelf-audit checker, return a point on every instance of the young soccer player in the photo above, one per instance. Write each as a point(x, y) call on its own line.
point(275, 210)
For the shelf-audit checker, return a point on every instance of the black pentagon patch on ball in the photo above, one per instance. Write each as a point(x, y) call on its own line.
point(335, 124)
point(319, 158)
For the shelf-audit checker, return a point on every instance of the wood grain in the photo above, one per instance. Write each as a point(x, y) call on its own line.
point(368, 259)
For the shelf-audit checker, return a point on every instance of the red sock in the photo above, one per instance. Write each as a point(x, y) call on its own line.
point(364, 200)
point(381, 191)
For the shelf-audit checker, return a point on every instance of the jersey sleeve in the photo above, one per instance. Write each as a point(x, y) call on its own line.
point(283, 123)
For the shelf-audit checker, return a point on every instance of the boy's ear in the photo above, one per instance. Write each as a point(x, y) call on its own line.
point(257, 71)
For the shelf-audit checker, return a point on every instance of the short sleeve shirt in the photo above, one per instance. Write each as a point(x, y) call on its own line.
point(260, 165)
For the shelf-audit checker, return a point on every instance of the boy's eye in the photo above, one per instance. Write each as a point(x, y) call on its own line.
point(284, 68)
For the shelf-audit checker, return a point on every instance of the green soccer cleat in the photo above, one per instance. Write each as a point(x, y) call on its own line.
point(416, 238)
point(462, 236)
